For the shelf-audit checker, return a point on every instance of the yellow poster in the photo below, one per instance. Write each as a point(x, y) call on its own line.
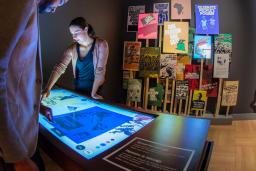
point(199, 99)
point(175, 37)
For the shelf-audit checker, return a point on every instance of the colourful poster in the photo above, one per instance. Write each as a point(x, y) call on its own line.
point(209, 84)
point(134, 90)
point(163, 12)
point(199, 99)
point(168, 64)
point(148, 26)
point(192, 74)
point(133, 15)
point(175, 37)
point(202, 47)
point(229, 94)
point(149, 62)
point(221, 66)
point(181, 9)
point(155, 95)
point(223, 44)
point(181, 90)
point(131, 56)
point(207, 19)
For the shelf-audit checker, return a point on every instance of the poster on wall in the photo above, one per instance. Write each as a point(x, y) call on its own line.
point(181, 90)
point(202, 47)
point(223, 44)
point(221, 66)
point(207, 19)
point(133, 15)
point(163, 12)
point(131, 56)
point(168, 64)
point(209, 84)
point(175, 37)
point(149, 62)
point(134, 90)
point(148, 26)
point(192, 74)
point(229, 94)
point(199, 99)
point(155, 95)
point(181, 9)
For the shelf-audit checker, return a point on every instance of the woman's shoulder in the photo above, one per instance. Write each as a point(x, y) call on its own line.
point(100, 41)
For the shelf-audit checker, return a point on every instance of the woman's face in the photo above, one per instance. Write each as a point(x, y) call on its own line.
point(78, 34)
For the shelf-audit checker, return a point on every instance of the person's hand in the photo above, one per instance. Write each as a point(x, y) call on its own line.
point(96, 96)
point(25, 165)
point(46, 111)
point(45, 93)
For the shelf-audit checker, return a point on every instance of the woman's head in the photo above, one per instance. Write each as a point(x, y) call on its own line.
point(80, 29)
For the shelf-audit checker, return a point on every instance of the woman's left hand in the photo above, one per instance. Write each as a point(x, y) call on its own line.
point(96, 96)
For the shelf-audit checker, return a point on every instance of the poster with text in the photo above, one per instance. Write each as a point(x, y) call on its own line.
point(163, 12)
point(229, 94)
point(168, 64)
point(209, 84)
point(133, 15)
point(155, 95)
point(181, 9)
point(131, 56)
point(199, 99)
point(175, 37)
point(181, 90)
point(134, 90)
point(148, 26)
point(221, 66)
point(223, 44)
point(192, 74)
point(202, 47)
point(149, 62)
point(207, 19)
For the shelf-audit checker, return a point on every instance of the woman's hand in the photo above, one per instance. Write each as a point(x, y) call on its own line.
point(96, 96)
point(45, 93)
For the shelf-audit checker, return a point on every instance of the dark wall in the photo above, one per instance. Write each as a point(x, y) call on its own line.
point(237, 18)
point(106, 18)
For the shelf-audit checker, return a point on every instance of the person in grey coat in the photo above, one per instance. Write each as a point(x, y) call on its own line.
point(20, 80)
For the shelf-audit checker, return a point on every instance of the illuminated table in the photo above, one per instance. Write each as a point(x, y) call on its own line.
point(90, 135)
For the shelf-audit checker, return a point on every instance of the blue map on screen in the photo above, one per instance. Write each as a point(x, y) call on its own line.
point(89, 127)
point(89, 123)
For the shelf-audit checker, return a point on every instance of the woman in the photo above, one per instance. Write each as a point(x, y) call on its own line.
point(89, 56)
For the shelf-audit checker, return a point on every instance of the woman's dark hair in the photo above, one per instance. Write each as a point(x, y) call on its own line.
point(82, 23)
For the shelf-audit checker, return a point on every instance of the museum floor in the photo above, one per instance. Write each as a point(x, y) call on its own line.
point(234, 148)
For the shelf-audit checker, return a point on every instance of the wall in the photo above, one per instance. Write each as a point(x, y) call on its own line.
point(106, 18)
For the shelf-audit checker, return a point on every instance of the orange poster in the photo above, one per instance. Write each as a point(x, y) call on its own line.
point(175, 37)
point(131, 56)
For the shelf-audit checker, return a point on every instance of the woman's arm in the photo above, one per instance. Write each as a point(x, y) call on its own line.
point(100, 69)
point(58, 70)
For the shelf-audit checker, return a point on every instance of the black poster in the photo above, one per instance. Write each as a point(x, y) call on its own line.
point(142, 155)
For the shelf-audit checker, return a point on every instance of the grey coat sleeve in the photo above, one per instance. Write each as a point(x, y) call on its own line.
point(14, 18)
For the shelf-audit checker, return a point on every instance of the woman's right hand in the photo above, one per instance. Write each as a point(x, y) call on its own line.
point(45, 93)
